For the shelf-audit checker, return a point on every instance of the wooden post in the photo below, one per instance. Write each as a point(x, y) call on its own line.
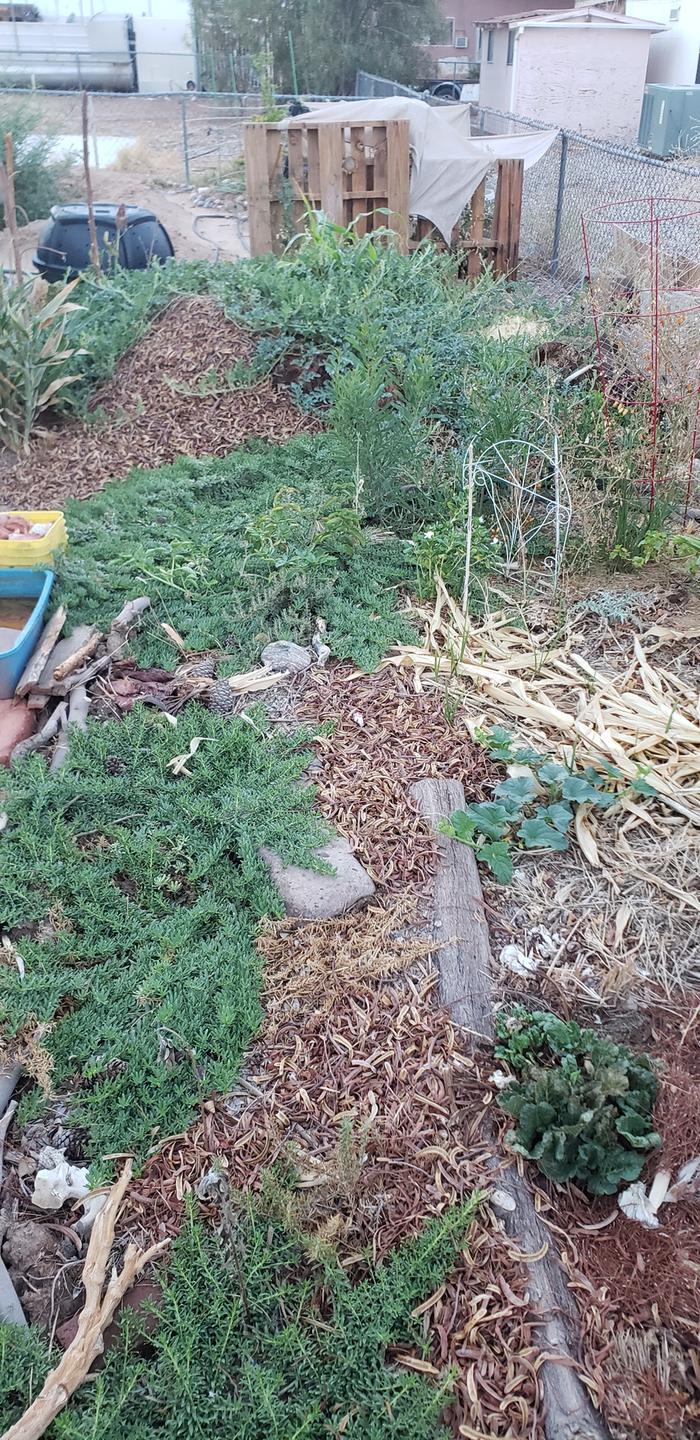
point(273, 150)
point(398, 163)
point(7, 176)
point(257, 189)
point(476, 231)
point(330, 150)
point(506, 219)
point(94, 251)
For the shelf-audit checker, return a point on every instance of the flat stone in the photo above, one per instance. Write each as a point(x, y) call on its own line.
point(17, 722)
point(313, 896)
point(285, 655)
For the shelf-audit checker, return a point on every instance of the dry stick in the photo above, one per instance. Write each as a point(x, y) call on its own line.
point(11, 1312)
point(78, 706)
point(96, 1315)
point(470, 521)
point(7, 176)
point(83, 652)
point(37, 661)
point(94, 252)
point(465, 985)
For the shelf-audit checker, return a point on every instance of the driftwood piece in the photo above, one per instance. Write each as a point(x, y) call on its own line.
point(78, 706)
point(97, 1313)
point(131, 612)
point(42, 737)
point(45, 683)
point(37, 660)
point(465, 985)
point(82, 653)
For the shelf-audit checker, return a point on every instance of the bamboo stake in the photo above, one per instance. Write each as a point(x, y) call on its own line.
point(94, 252)
point(7, 176)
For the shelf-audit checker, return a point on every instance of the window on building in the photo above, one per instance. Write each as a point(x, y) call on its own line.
point(489, 47)
point(511, 47)
point(478, 39)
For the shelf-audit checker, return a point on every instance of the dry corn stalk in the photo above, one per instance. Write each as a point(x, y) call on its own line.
point(646, 719)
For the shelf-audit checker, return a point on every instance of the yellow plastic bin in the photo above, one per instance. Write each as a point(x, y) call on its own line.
point(40, 550)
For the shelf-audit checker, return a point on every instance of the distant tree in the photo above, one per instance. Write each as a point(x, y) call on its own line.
point(332, 40)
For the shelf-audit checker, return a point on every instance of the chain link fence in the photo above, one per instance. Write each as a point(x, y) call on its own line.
point(373, 87)
point(577, 177)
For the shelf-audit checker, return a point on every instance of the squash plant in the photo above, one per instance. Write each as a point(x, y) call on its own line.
point(582, 1104)
point(534, 808)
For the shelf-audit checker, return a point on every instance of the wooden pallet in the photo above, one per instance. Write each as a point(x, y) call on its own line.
point(357, 174)
point(500, 248)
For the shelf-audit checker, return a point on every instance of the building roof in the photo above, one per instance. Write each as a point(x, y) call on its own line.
point(582, 15)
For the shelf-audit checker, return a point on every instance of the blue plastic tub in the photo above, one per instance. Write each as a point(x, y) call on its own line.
point(18, 582)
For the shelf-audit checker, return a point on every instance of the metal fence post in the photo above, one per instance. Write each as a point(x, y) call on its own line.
point(554, 265)
point(185, 145)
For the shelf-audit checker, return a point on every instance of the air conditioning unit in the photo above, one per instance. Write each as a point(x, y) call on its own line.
point(461, 42)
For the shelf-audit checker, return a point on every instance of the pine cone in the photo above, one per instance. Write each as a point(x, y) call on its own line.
point(220, 698)
point(114, 766)
point(206, 669)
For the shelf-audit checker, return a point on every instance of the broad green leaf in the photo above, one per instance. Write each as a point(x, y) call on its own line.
point(560, 815)
point(540, 834)
point(490, 818)
point(642, 787)
point(461, 827)
point(496, 854)
point(577, 788)
point(553, 774)
point(528, 757)
point(518, 790)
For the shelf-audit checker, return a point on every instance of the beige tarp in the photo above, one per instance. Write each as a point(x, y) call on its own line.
point(446, 165)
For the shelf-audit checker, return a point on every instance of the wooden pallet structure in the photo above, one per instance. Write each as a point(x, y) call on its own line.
point(359, 175)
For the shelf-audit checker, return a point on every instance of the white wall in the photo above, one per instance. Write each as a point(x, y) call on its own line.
point(585, 79)
point(673, 56)
point(496, 78)
point(84, 9)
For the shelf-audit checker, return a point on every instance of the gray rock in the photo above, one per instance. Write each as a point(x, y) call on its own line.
point(285, 655)
point(313, 896)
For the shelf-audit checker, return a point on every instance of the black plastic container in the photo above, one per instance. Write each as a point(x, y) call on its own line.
point(126, 236)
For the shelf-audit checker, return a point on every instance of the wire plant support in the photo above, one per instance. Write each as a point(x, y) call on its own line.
point(645, 307)
point(529, 500)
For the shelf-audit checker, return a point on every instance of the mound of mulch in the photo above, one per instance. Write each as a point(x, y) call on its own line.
point(157, 406)
point(385, 738)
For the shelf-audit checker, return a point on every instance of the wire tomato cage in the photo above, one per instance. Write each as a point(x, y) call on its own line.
point(646, 317)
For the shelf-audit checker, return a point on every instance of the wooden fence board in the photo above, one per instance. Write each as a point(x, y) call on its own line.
point(359, 204)
point(476, 231)
point(398, 179)
point(257, 189)
point(295, 151)
point(330, 150)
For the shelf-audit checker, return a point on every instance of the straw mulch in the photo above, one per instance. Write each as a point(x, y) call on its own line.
point(385, 738)
point(156, 407)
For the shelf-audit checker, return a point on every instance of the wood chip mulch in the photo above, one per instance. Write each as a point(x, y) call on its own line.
point(150, 411)
point(385, 738)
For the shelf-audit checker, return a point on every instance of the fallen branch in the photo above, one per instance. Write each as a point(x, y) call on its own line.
point(42, 737)
point(37, 661)
point(96, 1315)
point(83, 652)
point(116, 640)
point(78, 706)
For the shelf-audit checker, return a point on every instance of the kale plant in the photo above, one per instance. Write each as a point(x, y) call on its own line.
point(583, 1105)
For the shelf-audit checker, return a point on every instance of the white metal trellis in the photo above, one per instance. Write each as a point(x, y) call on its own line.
point(529, 498)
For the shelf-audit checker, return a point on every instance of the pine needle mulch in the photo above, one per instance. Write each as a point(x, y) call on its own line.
point(168, 397)
point(385, 738)
point(372, 1099)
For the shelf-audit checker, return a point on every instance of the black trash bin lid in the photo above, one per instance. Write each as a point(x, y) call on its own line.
point(105, 214)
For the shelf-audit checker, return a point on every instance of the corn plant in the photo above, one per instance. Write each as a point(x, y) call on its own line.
point(36, 358)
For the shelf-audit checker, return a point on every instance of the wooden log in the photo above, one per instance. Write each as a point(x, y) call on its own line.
point(78, 706)
point(398, 179)
point(38, 659)
point(45, 683)
point(464, 962)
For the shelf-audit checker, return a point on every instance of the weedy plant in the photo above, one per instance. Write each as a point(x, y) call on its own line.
point(533, 809)
point(583, 1105)
point(253, 1341)
point(37, 361)
point(39, 176)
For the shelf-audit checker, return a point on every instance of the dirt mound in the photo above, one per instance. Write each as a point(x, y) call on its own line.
point(169, 396)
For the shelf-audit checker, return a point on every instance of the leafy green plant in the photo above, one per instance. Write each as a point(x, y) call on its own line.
point(536, 808)
point(141, 892)
point(37, 361)
point(255, 1342)
point(583, 1105)
point(40, 178)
